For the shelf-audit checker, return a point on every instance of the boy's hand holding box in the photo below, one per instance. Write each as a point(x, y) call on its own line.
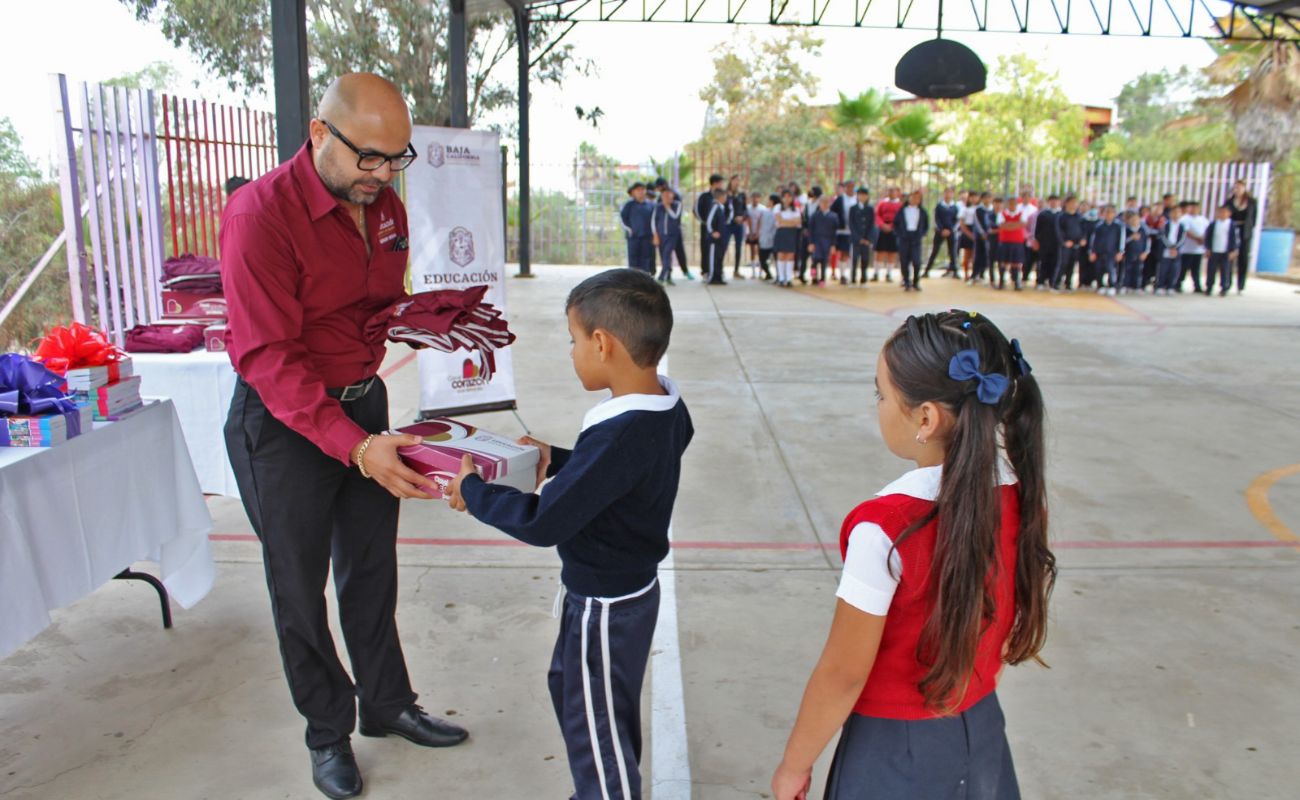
point(498, 459)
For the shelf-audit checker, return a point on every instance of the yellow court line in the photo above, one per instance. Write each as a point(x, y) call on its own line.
point(1257, 502)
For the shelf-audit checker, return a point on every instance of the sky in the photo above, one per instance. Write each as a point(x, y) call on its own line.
point(651, 101)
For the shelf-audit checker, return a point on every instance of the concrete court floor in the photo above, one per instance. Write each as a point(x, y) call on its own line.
point(1175, 646)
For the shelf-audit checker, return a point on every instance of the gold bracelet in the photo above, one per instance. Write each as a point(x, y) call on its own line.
point(361, 455)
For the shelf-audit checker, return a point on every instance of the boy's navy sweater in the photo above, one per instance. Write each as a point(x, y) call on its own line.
point(1069, 228)
point(862, 222)
point(945, 215)
point(824, 225)
point(1107, 239)
point(609, 504)
point(1045, 230)
point(1136, 242)
point(636, 218)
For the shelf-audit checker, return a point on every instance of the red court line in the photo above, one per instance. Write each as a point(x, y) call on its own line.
point(402, 362)
point(1066, 544)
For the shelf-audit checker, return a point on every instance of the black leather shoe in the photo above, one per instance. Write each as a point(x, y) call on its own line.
point(418, 727)
point(334, 771)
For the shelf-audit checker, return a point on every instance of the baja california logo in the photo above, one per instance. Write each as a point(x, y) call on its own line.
point(461, 246)
point(437, 155)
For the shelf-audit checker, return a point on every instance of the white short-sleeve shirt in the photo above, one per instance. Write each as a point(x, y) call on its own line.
point(872, 568)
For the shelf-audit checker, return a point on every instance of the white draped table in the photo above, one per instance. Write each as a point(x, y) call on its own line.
point(74, 516)
point(201, 385)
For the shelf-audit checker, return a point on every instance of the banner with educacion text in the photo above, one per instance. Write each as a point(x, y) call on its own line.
point(453, 203)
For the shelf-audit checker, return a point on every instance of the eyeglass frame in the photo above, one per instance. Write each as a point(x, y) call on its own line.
point(409, 154)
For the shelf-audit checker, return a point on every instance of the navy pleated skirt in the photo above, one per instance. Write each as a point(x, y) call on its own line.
point(965, 757)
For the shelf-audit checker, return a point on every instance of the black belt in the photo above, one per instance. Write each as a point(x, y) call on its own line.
point(356, 391)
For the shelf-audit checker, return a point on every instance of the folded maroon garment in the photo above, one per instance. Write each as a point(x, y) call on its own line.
point(164, 338)
point(192, 273)
point(446, 320)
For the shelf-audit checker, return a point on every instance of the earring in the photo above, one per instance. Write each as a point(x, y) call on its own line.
point(919, 440)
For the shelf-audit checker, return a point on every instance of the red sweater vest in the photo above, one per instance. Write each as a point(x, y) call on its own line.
point(893, 689)
point(1014, 236)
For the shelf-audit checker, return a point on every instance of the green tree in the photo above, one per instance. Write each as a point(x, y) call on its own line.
point(861, 119)
point(1152, 100)
point(908, 135)
point(29, 223)
point(1024, 113)
point(15, 166)
point(158, 76)
point(403, 40)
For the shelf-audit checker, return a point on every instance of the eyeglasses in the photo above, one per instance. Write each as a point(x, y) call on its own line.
point(371, 160)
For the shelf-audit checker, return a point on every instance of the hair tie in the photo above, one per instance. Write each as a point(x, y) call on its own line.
point(965, 366)
point(1018, 356)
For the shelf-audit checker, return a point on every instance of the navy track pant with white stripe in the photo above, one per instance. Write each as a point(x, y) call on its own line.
point(595, 679)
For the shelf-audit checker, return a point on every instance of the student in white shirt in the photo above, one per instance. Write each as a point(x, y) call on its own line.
point(1192, 250)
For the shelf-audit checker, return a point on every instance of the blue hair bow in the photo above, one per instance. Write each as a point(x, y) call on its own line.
point(1018, 355)
point(965, 366)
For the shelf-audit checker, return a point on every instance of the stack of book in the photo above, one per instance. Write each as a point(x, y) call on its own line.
point(111, 392)
point(45, 430)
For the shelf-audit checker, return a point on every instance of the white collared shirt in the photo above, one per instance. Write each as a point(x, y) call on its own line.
point(872, 567)
point(612, 407)
point(911, 216)
point(1222, 236)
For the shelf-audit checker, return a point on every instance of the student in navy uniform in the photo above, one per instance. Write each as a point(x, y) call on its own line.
point(606, 510)
point(739, 211)
point(1047, 241)
point(1171, 240)
point(1089, 277)
point(805, 240)
point(666, 224)
point(984, 237)
point(1137, 247)
point(843, 207)
point(1222, 241)
point(1106, 250)
point(680, 249)
point(823, 226)
point(945, 233)
point(1069, 229)
point(635, 215)
point(968, 224)
point(911, 224)
point(704, 202)
point(862, 229)
point(947, 577)
point(715, 228)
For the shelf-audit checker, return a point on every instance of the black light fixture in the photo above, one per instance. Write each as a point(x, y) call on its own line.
point(940, 68)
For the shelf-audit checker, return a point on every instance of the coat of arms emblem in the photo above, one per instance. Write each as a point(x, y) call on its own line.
point(437, 155)
point(461, 246)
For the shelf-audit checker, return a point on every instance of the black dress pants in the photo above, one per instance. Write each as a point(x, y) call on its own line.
point(310, 510)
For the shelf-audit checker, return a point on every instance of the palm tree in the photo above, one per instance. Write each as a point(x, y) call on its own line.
point(908, 135)
point(861, 117)
point(1264, 105)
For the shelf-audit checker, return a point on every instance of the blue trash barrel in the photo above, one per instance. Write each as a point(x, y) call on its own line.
point(1275, 246)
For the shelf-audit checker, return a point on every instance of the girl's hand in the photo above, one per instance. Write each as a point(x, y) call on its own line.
point(543, 460)
point(791, 784)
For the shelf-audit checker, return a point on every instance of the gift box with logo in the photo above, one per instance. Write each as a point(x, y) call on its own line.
point(214, 338)
point(499, 459)
point(179, 304)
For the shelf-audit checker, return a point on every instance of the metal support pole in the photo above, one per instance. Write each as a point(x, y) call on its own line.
point(525, 232)
point(289, 63)
point(457, 67)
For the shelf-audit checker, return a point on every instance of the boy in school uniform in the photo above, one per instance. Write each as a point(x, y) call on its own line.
point(1222, 240)
point(985, 216)
point(703, 203)
point(823, 226)
point(945, 233)
point(635, 215)
point(1106, 250)
point(1171, 240)
point(1137, 247)
point(1154, 221)
point(1192, 252)
point(862, 227)
point(911, 223)
point(764, 220)
point(715, 227)
point(805, 236)
point(666, 225)
point(842, 207)
point(1047, 243)
point(680, 250)
point(1069, 229)
point(607, 511)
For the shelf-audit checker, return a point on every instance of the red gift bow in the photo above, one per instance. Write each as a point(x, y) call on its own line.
point(78, 346)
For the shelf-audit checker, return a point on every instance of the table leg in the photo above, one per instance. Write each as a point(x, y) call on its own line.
point(129, 575)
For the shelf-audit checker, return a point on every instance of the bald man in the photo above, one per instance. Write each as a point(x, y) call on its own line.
point(309, 252)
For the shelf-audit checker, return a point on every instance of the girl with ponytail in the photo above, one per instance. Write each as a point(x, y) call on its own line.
point(947, 574)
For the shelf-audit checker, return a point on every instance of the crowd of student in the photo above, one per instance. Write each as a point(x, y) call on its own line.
point(1058, 245)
